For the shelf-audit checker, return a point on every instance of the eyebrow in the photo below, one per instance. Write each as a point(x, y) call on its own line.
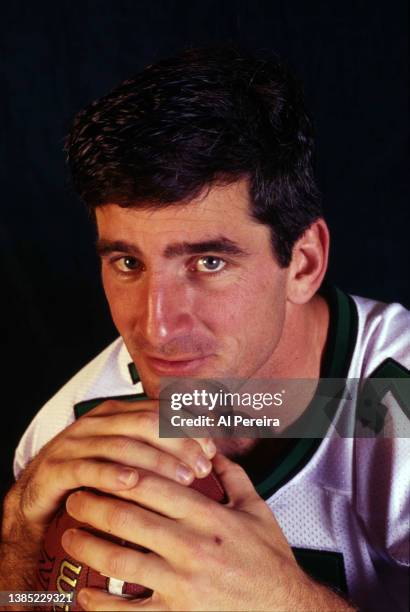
point(105, 247)
point(217, 245)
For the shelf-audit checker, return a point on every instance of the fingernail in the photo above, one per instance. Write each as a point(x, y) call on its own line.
point(127, 476)
point(83, 599)
point(210, 448)
point(203, 465)
point(184, 474)
point(67, 537)
point(70, 502)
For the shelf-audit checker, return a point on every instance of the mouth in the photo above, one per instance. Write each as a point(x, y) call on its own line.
point(172, 367)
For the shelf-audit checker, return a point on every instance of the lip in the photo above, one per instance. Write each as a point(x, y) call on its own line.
point(165, 367)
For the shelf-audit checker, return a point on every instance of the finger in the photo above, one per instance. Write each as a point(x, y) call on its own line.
point(137, 454)
point(116, 561)
point(127, 521)
point(236, 483)
point(169, 498)
point(144, 426)
point(95, 599)
point(69, 475)
point(46, 491)
point(111, 407)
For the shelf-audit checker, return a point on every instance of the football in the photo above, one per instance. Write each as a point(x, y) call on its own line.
point(59, 572)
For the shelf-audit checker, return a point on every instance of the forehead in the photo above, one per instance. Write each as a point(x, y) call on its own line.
point(222, 210)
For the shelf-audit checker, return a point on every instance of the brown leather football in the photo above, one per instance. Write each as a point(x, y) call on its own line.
point(59, 572)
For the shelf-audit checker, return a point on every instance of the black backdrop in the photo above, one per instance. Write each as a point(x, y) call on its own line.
point(57, 56)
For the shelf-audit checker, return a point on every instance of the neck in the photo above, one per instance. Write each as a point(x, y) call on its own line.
point(300, 350)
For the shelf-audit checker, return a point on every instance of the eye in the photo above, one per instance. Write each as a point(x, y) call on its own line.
point(209, 264)
point(127, 264)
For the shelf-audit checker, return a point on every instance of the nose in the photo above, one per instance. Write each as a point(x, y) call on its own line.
point(165, 310)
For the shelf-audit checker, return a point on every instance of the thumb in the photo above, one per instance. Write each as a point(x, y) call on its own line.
point(235, 482)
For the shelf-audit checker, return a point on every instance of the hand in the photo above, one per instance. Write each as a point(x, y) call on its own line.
point(103, 449)
point(204, 556)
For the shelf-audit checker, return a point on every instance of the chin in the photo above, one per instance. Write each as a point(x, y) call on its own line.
point(152, 381)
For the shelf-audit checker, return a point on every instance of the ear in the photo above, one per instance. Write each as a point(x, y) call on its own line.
point(309, 263)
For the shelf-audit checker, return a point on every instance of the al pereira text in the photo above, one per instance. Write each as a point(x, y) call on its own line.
point(228, 420)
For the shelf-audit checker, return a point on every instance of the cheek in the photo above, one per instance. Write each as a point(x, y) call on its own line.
point(258, 315)
point(222, 310)
point(120, 303)
point(247, 313)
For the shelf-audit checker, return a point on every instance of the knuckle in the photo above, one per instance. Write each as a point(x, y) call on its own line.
point(47, 464)
point(102, 474)
point(146, 522)
point(197, 552)
point(148, 421)
point(61, 448)
point(51, 471)
point(69, 445)
point(183, 583)
point(160, 461)
point(122, 446)
point(109, 405)
point(77, 470)
point(117, 563)
point(206, 508)
point(86, 422)
point(190, 448)
point(237, 470)
point(149, 483)
point(118, 518)
point(153, 417)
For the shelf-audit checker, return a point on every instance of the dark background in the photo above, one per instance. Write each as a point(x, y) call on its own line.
point(55, 57)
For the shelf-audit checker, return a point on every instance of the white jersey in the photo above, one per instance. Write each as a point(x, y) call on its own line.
point(343, 503)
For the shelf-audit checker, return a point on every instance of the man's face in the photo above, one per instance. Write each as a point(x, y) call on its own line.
point(194, 290)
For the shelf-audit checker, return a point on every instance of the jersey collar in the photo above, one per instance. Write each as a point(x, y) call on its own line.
point(341, 340)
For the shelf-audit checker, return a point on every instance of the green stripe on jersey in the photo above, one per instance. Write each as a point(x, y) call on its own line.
point(87, 405)
point(342, 335)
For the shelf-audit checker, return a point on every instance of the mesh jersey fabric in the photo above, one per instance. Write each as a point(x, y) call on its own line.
point(343, 503)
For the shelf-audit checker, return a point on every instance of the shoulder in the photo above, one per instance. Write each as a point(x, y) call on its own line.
point(367, 451)
point(383, 334)
point(381, 479)
point(106, 375)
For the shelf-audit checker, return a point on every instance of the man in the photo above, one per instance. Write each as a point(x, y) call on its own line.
point(213, 250)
